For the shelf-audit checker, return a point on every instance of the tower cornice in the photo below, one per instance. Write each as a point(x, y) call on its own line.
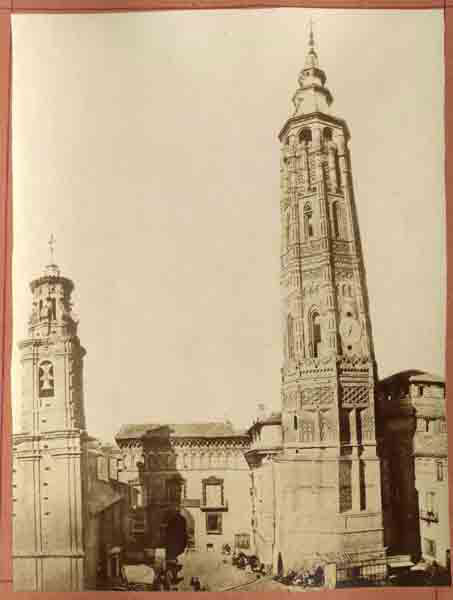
point(310, 117)
point(52, 279)
point(51, 343)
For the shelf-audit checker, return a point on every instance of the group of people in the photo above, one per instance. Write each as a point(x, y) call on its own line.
point(304, 577)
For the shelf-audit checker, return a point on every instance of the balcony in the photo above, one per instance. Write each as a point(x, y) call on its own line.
point(430, 516)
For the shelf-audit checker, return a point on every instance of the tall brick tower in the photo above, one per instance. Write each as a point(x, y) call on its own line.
point(48, 457)
point(329, 472)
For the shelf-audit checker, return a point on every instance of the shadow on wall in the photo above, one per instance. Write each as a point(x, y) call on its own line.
point(167, 523)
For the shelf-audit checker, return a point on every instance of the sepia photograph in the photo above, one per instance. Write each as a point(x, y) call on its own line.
point(229, 301)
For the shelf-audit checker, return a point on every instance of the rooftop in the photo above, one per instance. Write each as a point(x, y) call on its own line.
point(410, 376)
point(184, 430)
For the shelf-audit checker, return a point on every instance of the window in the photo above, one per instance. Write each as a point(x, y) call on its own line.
point(46, 379)
point(308, 222)
point(48, 310)
point(213, 496)
point(316, 334)
point(327, 134)
point(440, 470)
point(431, 507)
point(305, 135)
point(214, 523)
point(338, 220)
point(430, 547)
point(53, 308)
point(290, 327)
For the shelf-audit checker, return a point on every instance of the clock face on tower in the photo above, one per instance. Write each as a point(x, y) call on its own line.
point(350, 330)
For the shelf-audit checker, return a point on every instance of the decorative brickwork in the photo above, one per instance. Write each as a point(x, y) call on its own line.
point(355, 396)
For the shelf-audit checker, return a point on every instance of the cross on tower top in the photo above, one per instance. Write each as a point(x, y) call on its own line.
point(51, 243)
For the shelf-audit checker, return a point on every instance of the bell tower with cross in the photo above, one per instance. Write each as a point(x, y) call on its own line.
point(329, 469)
point(49, 450)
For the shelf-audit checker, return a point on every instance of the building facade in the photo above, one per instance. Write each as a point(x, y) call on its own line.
point(412, 411)
point(196, 470)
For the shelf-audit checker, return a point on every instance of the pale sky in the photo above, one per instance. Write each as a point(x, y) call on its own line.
point(147, 144)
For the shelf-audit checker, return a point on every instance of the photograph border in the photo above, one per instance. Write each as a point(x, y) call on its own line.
point(7, 9)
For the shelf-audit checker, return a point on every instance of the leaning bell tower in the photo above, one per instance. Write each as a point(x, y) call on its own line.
point(48, 455)
point(330, 501)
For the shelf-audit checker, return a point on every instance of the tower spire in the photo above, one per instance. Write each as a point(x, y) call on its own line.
point(51, 243)
point(312, 94)
point(311, 61)
point(311, 40)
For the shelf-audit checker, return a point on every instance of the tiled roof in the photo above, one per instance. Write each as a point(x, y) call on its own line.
point(410, 376)
point(400, 377)
point(195, 430)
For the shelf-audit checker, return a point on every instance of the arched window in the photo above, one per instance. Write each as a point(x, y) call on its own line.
point(308, 221)
point(339, 229)
point(290, 333)
point(295, 423)
point(305, 135)
point(327, 134)
point(46, 379)
point(316, 333)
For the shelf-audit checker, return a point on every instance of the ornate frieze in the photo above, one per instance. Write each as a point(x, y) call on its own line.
point(317, 397)
point(355, 396)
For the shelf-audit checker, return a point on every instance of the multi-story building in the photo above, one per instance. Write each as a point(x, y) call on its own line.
point(197, 470)
point(413, 426)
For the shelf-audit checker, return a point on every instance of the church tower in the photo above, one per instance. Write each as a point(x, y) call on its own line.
point(48, 456)
point(330, 499)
